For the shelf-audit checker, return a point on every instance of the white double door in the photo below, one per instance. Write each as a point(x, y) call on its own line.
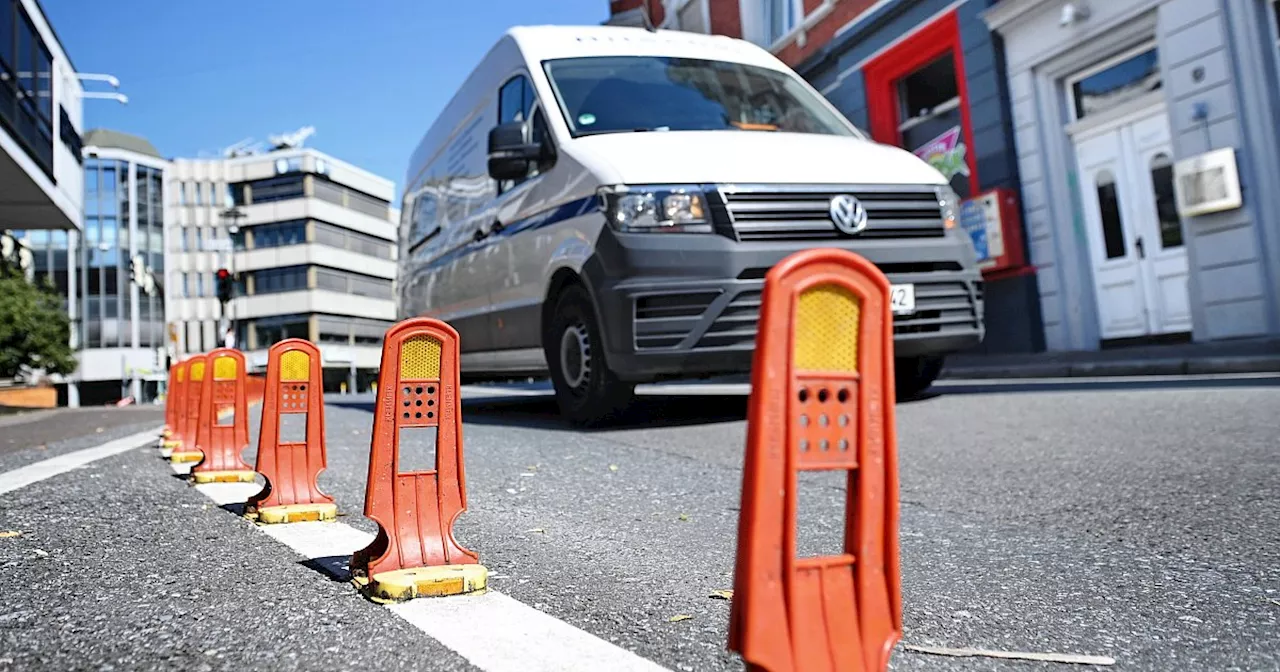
point(1135, 237)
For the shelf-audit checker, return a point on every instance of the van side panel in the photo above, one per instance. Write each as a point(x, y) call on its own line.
point(447, 188)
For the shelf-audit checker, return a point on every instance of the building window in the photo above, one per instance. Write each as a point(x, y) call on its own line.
point(276, 280)
point(1166, 201)
point(280, 234)
point(271, 330)
point(360, 243)
point(1109, 210)
point(931, 120)
point(1115, 82)
point(267, 190)
point(691, 16)
point(26, 84)
point(779, 19)
point(199, 284)
point(916, 100)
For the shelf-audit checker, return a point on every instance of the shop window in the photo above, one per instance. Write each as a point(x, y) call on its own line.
point(1116, 82)
point(1166, 202)
point(1109, 210)
point(931, 123)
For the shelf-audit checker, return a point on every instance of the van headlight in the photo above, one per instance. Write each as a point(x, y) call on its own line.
point(656, 209)
point(949, 201)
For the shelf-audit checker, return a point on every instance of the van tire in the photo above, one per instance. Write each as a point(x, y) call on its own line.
point(913, 375)
point(588, 395)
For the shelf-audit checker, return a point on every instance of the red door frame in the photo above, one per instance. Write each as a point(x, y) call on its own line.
point(882, 75)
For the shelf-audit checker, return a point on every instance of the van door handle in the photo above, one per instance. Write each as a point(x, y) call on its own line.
point(1142, 253)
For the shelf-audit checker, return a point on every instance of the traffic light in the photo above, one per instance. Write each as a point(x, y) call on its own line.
point(224, 284)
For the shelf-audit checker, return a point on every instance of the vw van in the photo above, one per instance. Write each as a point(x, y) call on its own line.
point(600, 204)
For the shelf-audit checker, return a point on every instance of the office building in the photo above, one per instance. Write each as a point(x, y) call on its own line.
point(41, 108)
point(309, 240)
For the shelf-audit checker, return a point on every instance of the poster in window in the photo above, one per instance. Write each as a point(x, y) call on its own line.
point(945, 151)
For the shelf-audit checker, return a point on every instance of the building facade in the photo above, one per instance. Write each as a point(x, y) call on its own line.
point(1147, 133)
point(41, 109)
point(310, 241)
point(1127, 132)
point(117, 326)
point(924, 75)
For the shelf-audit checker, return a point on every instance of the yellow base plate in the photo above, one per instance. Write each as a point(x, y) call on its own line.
point(185, 456)
point(171, 443)
point(295, 513)
point(438, 581)
point(223, 476)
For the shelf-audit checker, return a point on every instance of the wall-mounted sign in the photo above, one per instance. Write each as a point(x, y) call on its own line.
point(1207, 183)
point(992, 222)
point(980, 218)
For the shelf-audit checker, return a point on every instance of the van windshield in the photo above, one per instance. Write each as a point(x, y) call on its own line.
point(623, 94)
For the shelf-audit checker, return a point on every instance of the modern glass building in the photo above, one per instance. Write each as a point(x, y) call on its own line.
point(118, 326)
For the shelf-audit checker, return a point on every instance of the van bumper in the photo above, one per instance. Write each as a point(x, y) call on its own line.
point(686, 305)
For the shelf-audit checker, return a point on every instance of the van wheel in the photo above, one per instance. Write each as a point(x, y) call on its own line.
point(587, 392)
point(913, 375)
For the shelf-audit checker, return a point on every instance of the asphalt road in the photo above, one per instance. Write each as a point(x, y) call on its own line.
point(1131, 519)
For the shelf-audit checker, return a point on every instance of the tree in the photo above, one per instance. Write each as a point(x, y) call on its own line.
point(35, 332)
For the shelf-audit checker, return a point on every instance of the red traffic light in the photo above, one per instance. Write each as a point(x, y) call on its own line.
point(223, 273)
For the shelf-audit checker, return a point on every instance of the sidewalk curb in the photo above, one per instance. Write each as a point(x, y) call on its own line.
point(1127, 367)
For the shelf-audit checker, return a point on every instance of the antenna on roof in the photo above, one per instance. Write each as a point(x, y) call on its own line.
point(648, 20)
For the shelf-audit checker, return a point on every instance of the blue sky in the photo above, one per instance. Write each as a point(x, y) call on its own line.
point(369, 75)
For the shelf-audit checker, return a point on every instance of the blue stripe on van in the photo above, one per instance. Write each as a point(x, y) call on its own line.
point(541, 220)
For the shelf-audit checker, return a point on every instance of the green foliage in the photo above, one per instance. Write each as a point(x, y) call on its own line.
point(35, 331)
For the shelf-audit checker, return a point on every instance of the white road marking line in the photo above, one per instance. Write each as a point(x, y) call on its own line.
point(34, 473)
point(515, 637)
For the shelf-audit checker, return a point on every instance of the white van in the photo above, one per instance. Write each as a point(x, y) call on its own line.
point(601, 204)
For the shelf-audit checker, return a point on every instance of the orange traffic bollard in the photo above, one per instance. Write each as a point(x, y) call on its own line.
point(167, 430)
point(254, 388)
point(415, 553)
point(222, 431)
point(173, 409)
point(291, 461)
point(822, 399)
point(189, 412)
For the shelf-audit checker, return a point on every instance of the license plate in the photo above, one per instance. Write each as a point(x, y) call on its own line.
point(902, 299)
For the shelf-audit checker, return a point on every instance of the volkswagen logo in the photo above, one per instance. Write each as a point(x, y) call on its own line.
point(848, 214)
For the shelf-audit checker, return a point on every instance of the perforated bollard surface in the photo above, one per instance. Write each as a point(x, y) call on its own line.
point(294, 391)
point(189, 411)
point(822, 399)
point(415, 553)
point(222, 431)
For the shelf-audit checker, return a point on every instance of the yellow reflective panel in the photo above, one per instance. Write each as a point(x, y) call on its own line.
point(295, 366)
point(181, 373)
point(826, 336)
point(420, 358)
point(224, 368)
point(197, 371)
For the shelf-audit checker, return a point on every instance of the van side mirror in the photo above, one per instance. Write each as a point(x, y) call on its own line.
point(510, 151)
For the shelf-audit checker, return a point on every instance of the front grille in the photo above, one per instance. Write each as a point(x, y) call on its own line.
point(940, 307)
point(662, 321)
point(736, 324)
point(780, 213)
